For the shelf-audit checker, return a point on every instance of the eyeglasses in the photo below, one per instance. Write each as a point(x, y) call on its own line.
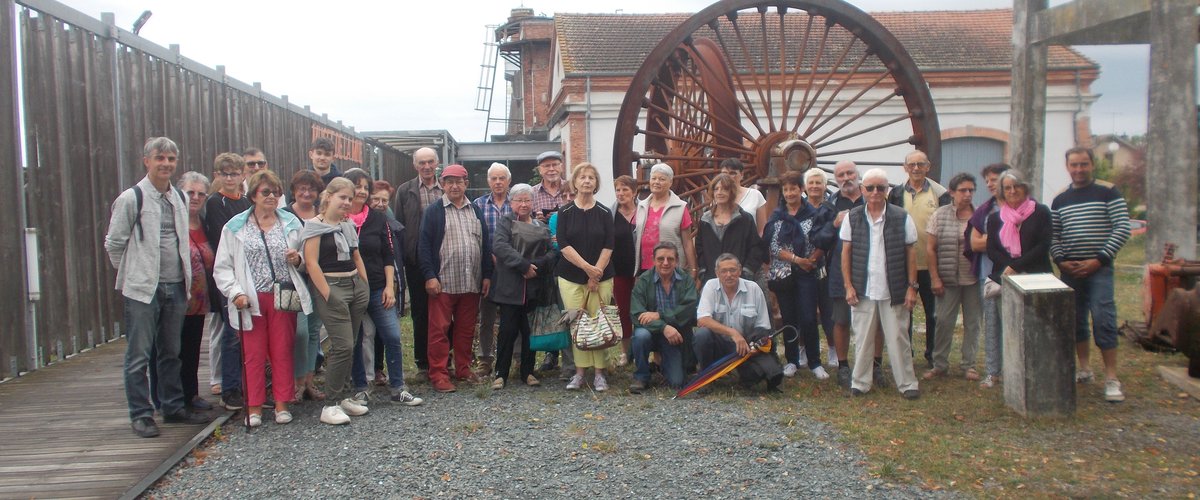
point(270, 192)
point(874, 187)
point(256, 163)
point(917, 164)
point(229, 174)
point(965, 190)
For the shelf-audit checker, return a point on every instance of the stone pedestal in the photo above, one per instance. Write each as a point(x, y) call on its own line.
point(1038, 318)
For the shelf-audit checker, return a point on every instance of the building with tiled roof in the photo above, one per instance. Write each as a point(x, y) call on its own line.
point(576, 68)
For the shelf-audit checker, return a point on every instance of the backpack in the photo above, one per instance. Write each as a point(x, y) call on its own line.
point(137, 218)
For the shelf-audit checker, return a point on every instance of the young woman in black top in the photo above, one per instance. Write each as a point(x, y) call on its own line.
point(375, 246)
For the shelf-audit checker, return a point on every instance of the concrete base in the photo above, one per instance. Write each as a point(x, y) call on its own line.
point(1038, 324)
point(1178, 376)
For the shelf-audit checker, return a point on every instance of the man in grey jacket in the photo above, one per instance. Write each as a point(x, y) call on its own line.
point(147, 242)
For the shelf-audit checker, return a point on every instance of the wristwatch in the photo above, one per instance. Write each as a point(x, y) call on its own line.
point(914, 285)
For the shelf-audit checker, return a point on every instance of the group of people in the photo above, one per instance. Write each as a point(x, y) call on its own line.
point(347, 249)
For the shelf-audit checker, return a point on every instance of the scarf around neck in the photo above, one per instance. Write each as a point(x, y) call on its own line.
point(345, 236)
point(1010, 232)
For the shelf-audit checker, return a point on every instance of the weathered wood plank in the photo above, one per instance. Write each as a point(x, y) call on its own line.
point(12, 255)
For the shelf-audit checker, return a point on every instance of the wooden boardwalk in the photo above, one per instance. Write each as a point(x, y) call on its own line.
point(64, 431)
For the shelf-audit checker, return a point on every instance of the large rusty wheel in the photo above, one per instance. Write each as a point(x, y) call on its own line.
point(780, 84)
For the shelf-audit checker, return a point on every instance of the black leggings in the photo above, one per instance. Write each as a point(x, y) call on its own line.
point(514, 322)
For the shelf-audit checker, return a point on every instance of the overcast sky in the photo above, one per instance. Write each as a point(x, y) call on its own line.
point(391, 65)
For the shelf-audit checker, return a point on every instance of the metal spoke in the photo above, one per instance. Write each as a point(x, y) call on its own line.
point(812, 72)
point(766, 59)
point(828, 77)
point(782, 10)
point(717, 102)
point(836, 92)
point(694, 141)
point(752, 115)
point(680, 97)
point(799, 62)
point(747, 111)
point(845, 105)
point(897, 119)
point(907, 140)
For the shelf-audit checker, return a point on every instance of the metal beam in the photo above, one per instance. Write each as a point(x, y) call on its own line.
point(1093, 22)
point(1172, 157)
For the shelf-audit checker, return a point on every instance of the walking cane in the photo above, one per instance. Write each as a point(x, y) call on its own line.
point(242, 350)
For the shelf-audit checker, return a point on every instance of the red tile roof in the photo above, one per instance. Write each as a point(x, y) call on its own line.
point(937, 40)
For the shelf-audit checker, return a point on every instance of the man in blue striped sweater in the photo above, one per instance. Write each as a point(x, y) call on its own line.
point(1091, 224)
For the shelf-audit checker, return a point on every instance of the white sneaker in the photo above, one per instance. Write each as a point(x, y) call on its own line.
point(789, 370)
point(1112, 391)
point(334, 415)
point(283, 417)
point(599, 383)
point(803, 358)
point(820, 373)
point(255, 420)
point(575, 383)
point(353, 409)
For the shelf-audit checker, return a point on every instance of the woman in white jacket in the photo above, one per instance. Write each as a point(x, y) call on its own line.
point(260, 247)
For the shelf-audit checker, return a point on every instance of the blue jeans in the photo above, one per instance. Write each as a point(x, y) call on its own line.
point(154, 327)
point(1094, 294)
point(308, 343)
point(993, 342)
point(387, 327)
point(799, 309)
point(231, 357)
point(672, 356)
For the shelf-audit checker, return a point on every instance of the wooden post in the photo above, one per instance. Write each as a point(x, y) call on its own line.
point(1028, 117)
point(12, 255)
point(1171, 180)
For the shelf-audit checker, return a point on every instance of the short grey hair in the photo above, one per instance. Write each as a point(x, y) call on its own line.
point(500, 166)
point(159, 145)
point(193, 176)
point(874, 173)
point(726, 256)
point(813, 172)
point(663, 168)
point(521, 188)
point(1018, 180)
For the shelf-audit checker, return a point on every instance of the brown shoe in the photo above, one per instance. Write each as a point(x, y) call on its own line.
point(484, 369)
point(532, 381)
point(971, 374)
point(443, 385)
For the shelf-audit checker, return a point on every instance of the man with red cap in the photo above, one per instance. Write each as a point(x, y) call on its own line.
point(455, 253)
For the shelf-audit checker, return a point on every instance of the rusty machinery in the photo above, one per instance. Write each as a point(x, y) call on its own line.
point(781, 85)
point(1171, 306)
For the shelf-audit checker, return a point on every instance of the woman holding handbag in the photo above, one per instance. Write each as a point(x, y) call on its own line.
point(524, 259)
point(256, 269)
point(795, 234)
point(585, 275)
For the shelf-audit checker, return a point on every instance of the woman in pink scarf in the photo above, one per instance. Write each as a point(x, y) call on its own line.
point(1018, 240)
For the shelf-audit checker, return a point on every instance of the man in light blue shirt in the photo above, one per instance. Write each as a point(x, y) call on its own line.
point(732, 309)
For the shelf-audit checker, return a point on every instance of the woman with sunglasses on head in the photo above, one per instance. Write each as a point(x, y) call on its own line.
point(375, 248)
point(796, 235)
point(258, 251)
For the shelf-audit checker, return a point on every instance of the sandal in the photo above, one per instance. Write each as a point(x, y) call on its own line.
point(971, 374)
point(934, 373)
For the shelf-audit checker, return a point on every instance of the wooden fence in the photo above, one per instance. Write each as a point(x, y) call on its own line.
point(92, 94)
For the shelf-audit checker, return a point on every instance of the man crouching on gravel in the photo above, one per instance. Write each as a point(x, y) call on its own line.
point(730, 310)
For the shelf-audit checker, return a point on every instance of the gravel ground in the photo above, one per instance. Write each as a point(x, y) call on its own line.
point(543, 442)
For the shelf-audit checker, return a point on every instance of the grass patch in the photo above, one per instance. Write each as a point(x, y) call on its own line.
point(961, 437)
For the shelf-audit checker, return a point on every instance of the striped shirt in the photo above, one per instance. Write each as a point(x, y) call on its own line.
point(1091, 222)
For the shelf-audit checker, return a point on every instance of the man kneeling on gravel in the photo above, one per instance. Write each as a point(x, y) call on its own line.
point(732, 309)
point(663, 306)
